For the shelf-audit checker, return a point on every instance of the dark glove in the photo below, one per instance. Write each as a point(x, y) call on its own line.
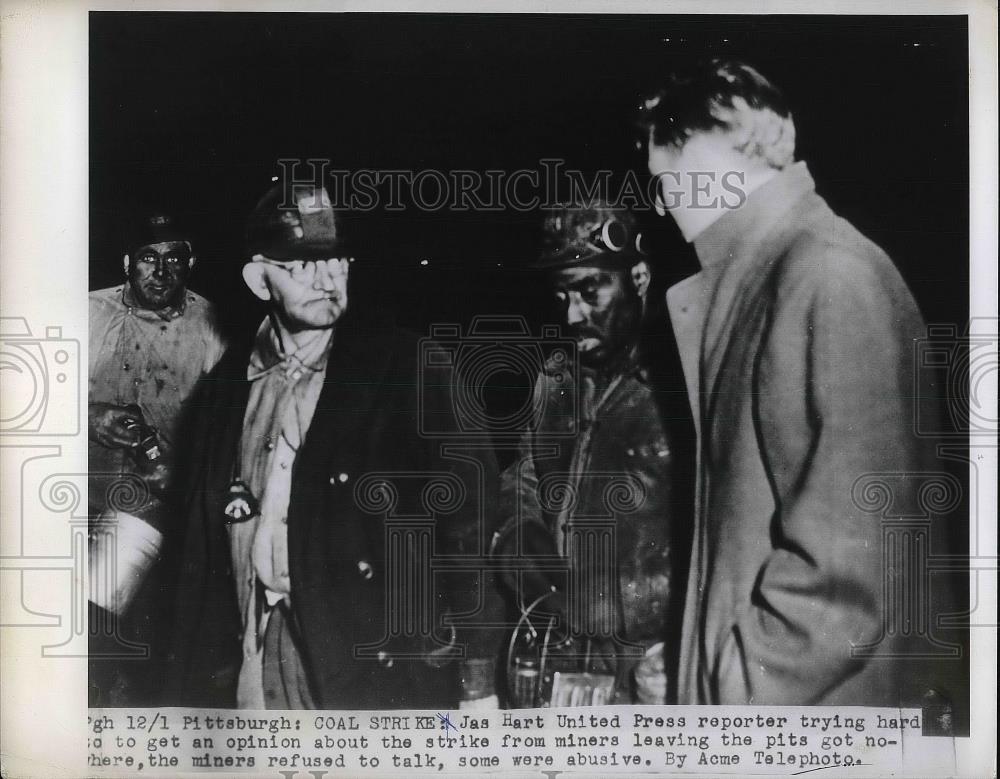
point(112, 425)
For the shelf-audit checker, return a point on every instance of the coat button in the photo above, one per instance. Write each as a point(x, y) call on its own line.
point(365, 569)
point(342, 478)
point(385, 659)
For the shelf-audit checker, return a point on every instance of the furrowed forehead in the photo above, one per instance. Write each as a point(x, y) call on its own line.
point(297, 260)
point(574, 277)
point(163, 246)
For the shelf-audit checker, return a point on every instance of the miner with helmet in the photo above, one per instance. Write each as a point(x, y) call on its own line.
point(297, 589)
point(603, 448)
point(151, 340)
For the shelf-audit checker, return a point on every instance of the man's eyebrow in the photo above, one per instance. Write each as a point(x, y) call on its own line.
point(597, 276)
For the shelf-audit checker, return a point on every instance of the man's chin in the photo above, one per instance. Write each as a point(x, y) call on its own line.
point(316, 320)
point(157, 300)
point(593, 357)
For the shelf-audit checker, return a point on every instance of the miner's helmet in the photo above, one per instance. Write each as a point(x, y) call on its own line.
point(591, 234)
point(146, 226)
point(295, 221)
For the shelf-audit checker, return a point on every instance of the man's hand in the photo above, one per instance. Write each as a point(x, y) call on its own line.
point(107, 424)
point(478, 692)
point(489, 703)
point(651, 677)
point(158, 474)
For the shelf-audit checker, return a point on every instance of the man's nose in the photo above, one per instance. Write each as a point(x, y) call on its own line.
point(575, 313)
point(326, 276)
point(160, 267)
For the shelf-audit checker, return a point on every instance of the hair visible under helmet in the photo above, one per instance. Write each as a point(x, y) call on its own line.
point(721, 95)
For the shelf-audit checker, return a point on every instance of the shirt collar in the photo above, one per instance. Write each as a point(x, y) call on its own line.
point(763, 209)
point(269, 356)
point(166, 314)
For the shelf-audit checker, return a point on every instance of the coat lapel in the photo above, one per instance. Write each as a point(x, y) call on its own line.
point(357, 364)
point(688, 306)
point(338, 438)
point(687, 303)
point(732, 323)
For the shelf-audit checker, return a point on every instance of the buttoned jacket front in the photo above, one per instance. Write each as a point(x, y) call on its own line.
point(350, 585)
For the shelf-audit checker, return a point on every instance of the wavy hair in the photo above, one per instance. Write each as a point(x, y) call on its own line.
point(726, 95)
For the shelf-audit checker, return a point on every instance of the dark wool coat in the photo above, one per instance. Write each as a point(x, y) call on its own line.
point(798, 345)
point(367, 421)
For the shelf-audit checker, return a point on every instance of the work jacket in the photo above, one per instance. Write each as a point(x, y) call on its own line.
point(594, 511)
point(380, 516)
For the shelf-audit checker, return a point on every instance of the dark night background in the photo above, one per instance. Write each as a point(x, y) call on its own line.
point(194, 109)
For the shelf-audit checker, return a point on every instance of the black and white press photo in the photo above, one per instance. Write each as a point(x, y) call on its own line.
point(563, 392)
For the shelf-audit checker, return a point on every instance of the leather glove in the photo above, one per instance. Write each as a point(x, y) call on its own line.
point(107, 424)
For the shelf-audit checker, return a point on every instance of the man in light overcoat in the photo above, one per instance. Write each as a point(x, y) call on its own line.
point(797, 339)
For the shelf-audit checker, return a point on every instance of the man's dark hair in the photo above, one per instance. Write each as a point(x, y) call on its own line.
point(726, 95)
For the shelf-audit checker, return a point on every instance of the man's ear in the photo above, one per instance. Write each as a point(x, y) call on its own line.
point(254, 274)
point(194, 257)
point(125, 263)
point(640, 278)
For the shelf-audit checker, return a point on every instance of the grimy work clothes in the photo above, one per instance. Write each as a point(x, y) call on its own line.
point(592, 511)
point(152, 359)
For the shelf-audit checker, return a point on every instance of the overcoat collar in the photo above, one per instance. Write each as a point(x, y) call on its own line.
point(743, 227)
